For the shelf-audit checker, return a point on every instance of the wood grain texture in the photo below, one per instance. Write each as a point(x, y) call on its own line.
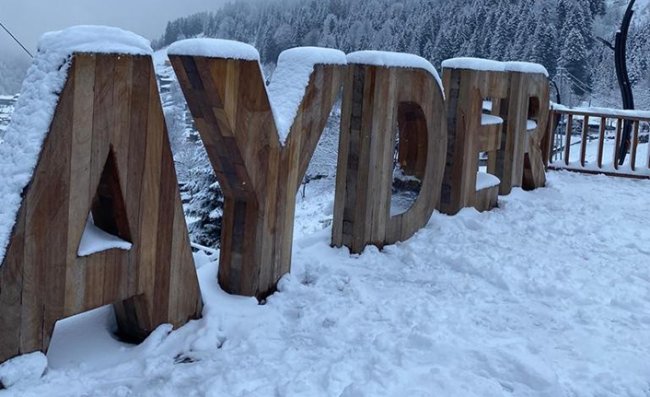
point(537, 100)
point(465, 91)
point(258, 175)
point(107, 153)
point(377, 101)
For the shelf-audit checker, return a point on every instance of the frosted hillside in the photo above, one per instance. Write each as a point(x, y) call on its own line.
point(549, 295)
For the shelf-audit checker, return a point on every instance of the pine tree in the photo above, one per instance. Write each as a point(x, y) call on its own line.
point(204, 206)
point(574, 58)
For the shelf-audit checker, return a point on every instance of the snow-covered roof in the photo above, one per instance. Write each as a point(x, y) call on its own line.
point(214, 48)
point(36, 105)
point(290, 81)
point(394, 59)
point(489, 65)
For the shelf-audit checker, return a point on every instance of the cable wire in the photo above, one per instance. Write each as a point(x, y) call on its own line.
point(16, 39)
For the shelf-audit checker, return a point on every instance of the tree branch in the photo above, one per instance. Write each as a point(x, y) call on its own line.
point(606, 43)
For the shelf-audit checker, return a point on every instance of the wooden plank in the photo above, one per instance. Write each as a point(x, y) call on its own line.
point(138, 125)
point(567, 143)
point(486, 199)
point(635, 146)
point(583, 142)
point(46, 252)
point(11, 286)
point(617, 142)
point(549, 138)
point(601, 141)
point(80, 191)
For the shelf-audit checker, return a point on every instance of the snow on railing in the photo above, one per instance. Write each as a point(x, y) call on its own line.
point(589, 140)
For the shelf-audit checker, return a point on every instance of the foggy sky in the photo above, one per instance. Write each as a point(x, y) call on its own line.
point(29, 19)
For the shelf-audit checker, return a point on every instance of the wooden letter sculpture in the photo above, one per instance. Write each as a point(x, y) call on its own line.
point(532, 89)
point(511, 134)
point(520, 161)
point(105, 154)
point(383, 92)
point(259, 153)
point(470, 132)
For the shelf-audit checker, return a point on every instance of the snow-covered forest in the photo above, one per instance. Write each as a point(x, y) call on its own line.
point(560, 34)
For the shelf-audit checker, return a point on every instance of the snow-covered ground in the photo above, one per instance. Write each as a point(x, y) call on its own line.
point(548, 295)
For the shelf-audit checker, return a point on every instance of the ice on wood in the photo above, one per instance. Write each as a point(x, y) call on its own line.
point(214, 48)
point(35, 107)
point(394, 59)
point(290, 81)
point(485, 180)
point(94, 240)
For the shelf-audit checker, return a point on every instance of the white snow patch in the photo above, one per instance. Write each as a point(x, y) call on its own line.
point(23, 369)
point(526, 67)
point(214, 48)
point(290, 81)
point(494, 66)
point(486, 180)
point(473, 64)
point(545, 296)
point(35, 107)
point(394, 59)
point(487, 106)
point(94, 240)
point(596, 111)
point(489, 119)
point(531, 124)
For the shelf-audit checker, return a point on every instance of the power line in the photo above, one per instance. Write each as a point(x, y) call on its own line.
point(16, 40)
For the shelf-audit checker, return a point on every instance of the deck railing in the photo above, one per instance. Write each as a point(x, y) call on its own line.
point(589, 140)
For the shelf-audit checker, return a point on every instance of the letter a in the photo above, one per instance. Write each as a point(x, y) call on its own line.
point(95, 216)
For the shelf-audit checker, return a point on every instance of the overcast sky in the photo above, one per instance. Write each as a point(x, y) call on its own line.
point(29, 19)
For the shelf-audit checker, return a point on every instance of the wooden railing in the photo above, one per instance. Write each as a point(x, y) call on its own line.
point(589, 140)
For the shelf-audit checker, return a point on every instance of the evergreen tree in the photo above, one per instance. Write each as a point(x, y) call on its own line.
point(574, 58)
